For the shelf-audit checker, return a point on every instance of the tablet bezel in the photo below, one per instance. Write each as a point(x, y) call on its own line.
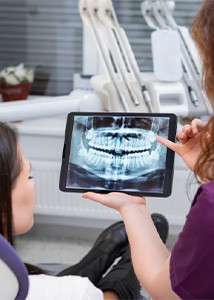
point(167, 187)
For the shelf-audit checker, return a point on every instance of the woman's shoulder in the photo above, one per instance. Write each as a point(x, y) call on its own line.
point(205, 194)
point(208, 187)
point(203, 206)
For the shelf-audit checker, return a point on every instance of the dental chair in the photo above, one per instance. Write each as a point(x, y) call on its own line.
point(13, 274)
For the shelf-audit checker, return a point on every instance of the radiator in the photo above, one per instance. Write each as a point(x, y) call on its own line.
point(51, 201)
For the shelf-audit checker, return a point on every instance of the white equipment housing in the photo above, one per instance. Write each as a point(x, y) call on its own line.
point(123, 87)
point(167, 97)
point(158, 15)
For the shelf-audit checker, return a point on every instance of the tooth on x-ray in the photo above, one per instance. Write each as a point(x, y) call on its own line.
point(118, 148)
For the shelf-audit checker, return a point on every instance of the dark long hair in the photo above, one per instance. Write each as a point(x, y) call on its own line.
point(10, 168)
point(203, 34)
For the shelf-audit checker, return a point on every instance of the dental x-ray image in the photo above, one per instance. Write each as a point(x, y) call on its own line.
point(117, 153)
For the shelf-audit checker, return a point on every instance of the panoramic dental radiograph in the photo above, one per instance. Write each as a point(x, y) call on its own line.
point(117, 153)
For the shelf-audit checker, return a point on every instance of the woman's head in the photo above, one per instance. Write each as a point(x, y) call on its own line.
point(203, 35)
point(17, 196)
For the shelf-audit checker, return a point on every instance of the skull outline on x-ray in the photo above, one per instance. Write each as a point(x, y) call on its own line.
point(120, 147)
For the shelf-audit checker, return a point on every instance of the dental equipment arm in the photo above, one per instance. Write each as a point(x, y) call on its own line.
point(122, 70)
point(87, 13)
point(158, 15)
point(127, 57)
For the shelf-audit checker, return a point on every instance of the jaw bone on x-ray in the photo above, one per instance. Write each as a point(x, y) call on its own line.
point(117, 153)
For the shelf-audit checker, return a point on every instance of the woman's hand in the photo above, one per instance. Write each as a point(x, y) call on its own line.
point(189, 148)
point(115, 200)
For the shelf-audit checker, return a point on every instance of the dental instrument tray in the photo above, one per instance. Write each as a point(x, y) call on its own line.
point(106, 152)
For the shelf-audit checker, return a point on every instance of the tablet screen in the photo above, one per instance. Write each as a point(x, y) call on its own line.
point(118, 152)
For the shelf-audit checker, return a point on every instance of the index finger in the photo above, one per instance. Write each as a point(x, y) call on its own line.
point(169, 144)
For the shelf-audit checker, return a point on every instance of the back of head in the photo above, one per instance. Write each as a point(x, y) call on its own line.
point(203, 35)
point(10, 167)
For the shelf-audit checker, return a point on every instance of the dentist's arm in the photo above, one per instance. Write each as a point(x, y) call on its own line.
point(149, 255)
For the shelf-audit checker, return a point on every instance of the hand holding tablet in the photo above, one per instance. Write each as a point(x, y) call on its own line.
point(106, 152)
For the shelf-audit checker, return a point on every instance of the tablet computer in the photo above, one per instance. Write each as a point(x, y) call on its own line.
point(106, 152)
